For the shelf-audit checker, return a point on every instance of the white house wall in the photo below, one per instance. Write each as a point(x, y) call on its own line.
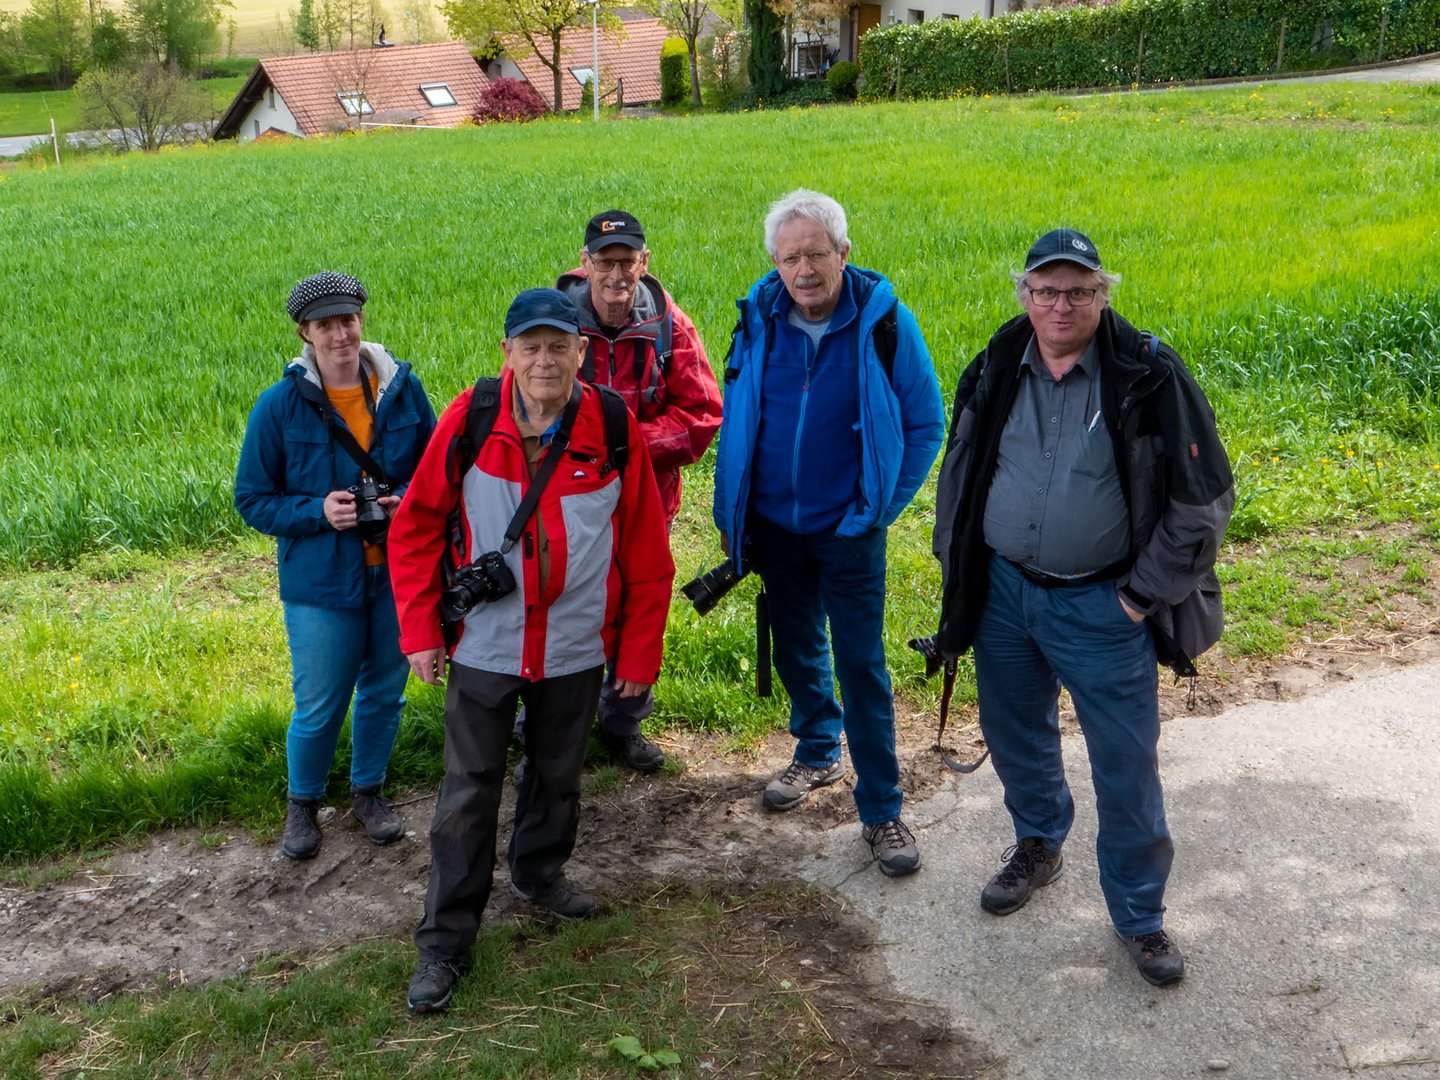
point(268, 116)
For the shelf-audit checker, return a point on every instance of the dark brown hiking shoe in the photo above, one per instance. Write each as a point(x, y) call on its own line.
point(560, 899)
point(432, 985)
point(1157, 956)
point(302, 829)
point(379, 821)
point(1029, 866)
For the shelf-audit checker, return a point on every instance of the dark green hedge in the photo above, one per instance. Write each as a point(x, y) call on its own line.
point(1140, 41)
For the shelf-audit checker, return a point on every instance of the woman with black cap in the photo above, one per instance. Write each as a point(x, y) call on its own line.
point(328, 452)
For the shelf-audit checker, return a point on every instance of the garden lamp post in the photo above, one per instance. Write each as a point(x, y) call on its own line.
point(595, 57)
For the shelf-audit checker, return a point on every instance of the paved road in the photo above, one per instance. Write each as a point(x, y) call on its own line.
point(1306, 894)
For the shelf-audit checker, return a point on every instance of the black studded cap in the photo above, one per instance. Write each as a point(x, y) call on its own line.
point(326, 293)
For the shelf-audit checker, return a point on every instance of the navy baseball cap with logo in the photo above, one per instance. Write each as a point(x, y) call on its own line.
point(541, 307)
point(324, 294)
point(614, 227)
point(1062, 245)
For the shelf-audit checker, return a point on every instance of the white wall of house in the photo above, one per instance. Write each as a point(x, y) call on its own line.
point(841, 39)
point(269, 112)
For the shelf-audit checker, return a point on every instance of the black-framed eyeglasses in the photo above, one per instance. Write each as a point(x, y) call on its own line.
point(604, 265)
point(1048, 297)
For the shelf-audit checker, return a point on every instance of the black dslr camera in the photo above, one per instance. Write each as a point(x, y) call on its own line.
point(371, 521)
point(485, 580)
point(710, 588)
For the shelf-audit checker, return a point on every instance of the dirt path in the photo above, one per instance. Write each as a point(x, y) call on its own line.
point(189, 906)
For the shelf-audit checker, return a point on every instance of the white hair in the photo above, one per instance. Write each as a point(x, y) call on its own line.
point(803, 203)
point(1101, 280)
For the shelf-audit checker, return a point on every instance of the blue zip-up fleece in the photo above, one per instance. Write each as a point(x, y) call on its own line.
point(888, 447)
point(289, 463)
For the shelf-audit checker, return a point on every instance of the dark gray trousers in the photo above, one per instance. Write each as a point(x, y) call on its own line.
point(479, 714)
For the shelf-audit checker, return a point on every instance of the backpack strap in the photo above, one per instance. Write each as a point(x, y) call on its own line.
point(479, 420)
point(887, 341)
point(617, 431)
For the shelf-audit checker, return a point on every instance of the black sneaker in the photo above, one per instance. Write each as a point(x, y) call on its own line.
point(893, 846)
point(1029, 867)
point(379, 821)
point(432, 985)
point(794, 784)
point(1157, 956)
point(560, 900)
point(636, 751)
point(302, 829)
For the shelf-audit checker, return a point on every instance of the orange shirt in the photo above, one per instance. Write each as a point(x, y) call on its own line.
point(350, 404)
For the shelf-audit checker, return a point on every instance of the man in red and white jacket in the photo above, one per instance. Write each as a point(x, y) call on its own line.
point(647, 350)
point(592, 576)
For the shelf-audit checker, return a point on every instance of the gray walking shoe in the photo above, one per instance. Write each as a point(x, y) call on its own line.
point(560, 900)
point(1157, 956)
point(381, 824)
point(793, 786)
point(893, 846)
point(302, 829)
point(1029, 866)
point(432, 985)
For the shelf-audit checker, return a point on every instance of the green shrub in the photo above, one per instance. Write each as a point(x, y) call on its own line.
point(796, 94)
point(1139, 41)
point(841, 79)
point(722, 66)
point(674, 71)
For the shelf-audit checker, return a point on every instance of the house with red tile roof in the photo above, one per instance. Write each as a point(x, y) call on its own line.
point(319, 93)
point(630, 58)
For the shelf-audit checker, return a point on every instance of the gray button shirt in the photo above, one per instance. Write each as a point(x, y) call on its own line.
point(1055, 501)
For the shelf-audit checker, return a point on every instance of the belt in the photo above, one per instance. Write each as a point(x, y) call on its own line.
point(1055, 581)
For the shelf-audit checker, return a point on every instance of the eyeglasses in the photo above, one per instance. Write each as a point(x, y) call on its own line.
point(606, 265)
point(1048, 297)
point(790, 262)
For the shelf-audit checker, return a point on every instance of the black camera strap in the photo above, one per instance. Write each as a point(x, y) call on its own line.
point(341, 434)
point(763, 685)
point(558, 444)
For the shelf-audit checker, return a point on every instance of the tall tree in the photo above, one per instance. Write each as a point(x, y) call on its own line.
point(53, 32)
point(178, 33)
point(766, 66)
point(536, 25)
point(143, 108)
point(687, 19)
point(307, 34)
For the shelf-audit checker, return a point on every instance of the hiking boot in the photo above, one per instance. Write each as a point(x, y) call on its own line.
point(302, 829)
point(432, 985)
point(893, 846)
point(560, 900)
point(636, 751)
point(791, 787)
point(380, 823)
point(1157, 956)
point(1029, 867)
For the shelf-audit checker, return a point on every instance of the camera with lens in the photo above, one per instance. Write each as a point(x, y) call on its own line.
point(929, 651)
point(710, 588)
point(485, 580)
point(371, 521)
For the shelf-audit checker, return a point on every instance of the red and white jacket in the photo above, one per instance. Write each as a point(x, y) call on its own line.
point(662, 373)
point(610, 574)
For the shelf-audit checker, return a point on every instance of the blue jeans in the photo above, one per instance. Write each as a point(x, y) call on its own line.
point(1030, 641)
point(809, 579)
point(332, 654)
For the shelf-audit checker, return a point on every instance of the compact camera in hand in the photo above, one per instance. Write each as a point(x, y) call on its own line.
point(485, 580)
point(371, 521)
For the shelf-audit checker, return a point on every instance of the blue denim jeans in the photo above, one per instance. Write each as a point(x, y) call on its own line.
point(334, 653)
point(1029, 643)
point(809, 579)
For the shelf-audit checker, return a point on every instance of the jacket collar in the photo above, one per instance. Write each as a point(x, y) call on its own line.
point(372, 355)
point(651, 302)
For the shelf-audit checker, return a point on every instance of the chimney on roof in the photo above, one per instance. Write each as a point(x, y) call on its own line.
point(380, 42)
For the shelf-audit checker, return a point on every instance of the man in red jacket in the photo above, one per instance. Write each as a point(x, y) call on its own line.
point(645, 348)
point(562, 540)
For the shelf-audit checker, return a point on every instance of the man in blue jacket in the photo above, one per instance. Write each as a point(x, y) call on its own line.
point(832, 420)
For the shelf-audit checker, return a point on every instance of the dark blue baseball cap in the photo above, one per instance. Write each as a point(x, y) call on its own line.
point(1062, 245)
point(541, 307)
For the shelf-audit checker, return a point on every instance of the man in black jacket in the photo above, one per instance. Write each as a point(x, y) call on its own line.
point(1080, 509)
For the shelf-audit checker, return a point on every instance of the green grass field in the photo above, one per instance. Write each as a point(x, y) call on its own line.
point(29, 112)
point(1281, 238)
point(1278, 237)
